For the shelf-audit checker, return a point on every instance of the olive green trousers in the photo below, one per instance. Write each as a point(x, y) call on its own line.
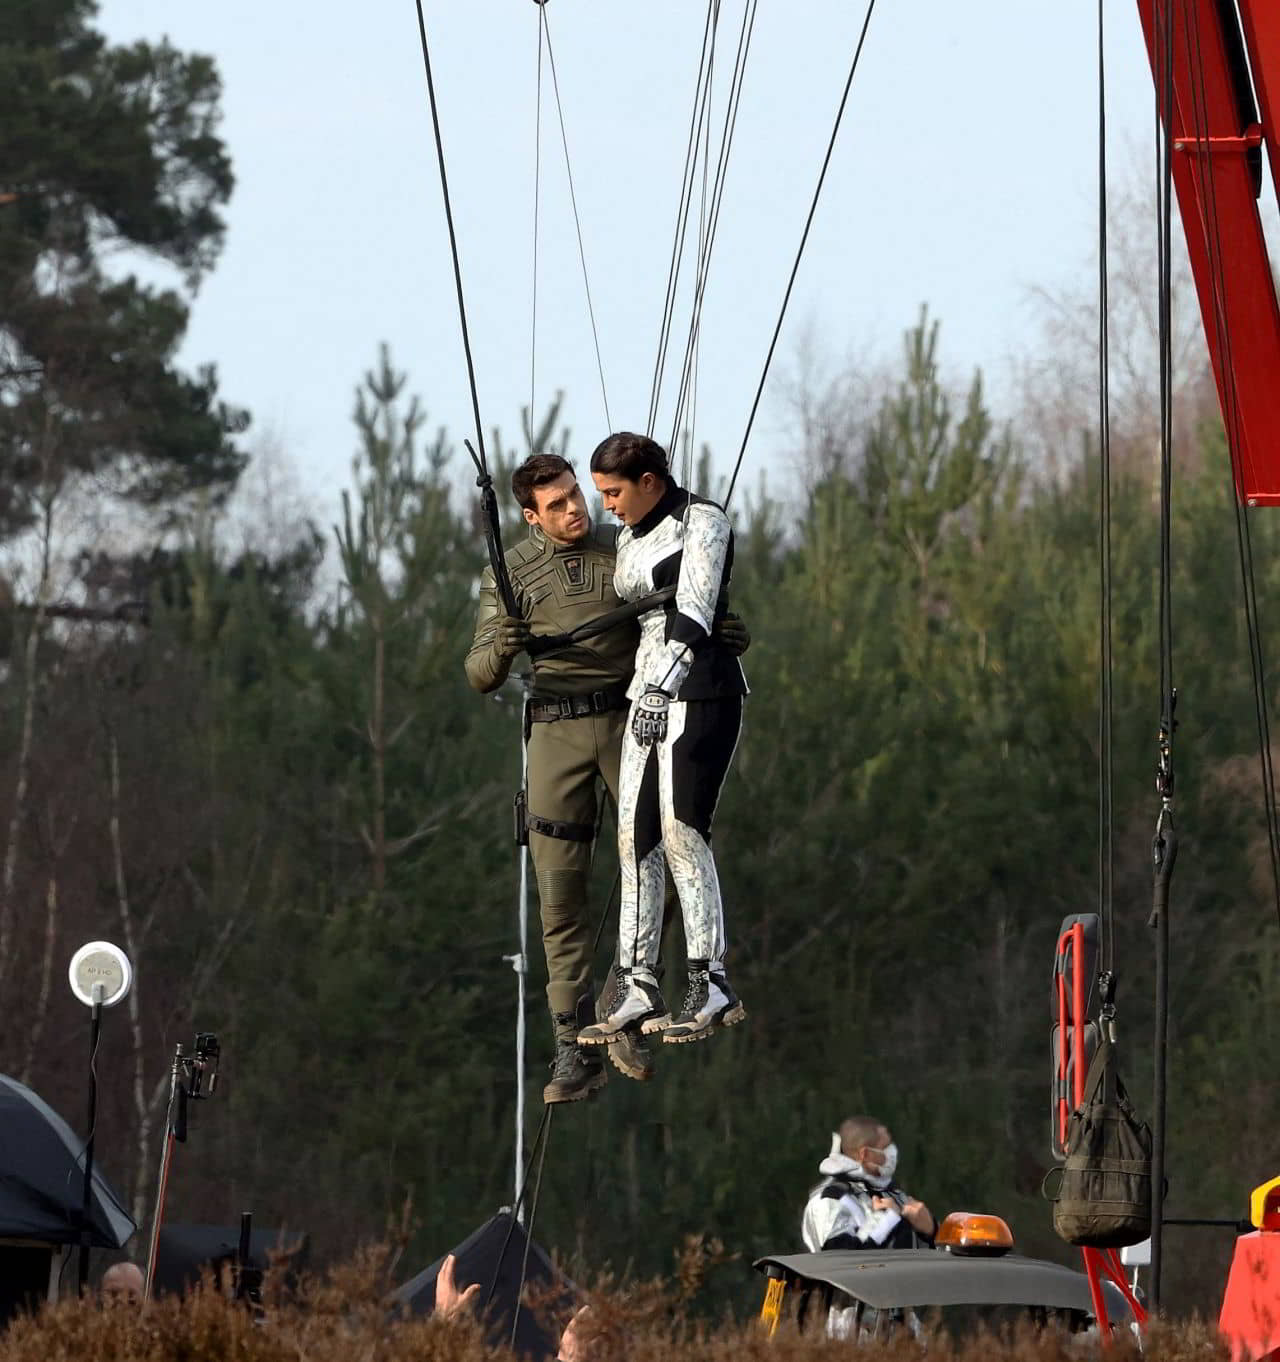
point(568, 761)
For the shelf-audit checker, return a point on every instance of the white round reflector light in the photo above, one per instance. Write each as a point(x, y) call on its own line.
point(100, 962)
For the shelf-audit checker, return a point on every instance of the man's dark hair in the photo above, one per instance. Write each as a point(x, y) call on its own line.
point(856, 1131)
point(630, 456)
point(536, 471)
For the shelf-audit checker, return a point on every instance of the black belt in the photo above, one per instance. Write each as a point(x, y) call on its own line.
point(578, 706)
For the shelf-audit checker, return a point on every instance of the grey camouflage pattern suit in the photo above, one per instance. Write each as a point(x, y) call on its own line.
point(668, 791)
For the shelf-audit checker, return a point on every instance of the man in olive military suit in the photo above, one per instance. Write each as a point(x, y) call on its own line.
point(562, 577)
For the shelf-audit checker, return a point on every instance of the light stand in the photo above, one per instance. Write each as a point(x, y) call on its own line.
point(520, 961)
point(95, 1030)
point(100, 976)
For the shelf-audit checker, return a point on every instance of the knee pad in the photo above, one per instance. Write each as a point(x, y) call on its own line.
point(562, 894)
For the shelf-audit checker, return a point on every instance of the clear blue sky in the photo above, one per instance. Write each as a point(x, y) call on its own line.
point(964, 175)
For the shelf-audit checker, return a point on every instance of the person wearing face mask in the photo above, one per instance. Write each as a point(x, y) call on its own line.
point(858, 1204)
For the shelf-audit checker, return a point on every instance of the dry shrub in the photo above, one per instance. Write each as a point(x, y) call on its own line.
point(343, 1317)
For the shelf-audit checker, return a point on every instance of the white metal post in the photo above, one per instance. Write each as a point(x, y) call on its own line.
point(520, 963)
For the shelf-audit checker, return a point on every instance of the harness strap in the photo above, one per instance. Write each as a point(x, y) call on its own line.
point(542, 644)
point(561, 831)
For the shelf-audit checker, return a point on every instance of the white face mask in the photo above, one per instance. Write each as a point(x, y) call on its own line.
point(883, 1175)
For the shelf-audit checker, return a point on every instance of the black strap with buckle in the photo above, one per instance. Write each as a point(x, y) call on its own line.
point(578, 706)
point(559, 829)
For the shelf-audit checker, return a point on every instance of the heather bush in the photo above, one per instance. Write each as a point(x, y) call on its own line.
point(343, 1317)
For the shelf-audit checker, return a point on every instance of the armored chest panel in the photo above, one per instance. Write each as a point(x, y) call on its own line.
point(561, 589)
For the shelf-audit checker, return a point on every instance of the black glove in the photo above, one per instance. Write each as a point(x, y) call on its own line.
point(649, 718)
point(512, 636)
point(730, 631)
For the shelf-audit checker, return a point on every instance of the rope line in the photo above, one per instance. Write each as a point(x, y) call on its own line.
point(577, 221)
point(795, 269)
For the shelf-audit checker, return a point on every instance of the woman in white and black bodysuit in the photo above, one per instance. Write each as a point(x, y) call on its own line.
point(686, 714)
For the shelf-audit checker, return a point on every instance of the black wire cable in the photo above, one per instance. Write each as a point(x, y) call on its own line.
point(610, 902)
point(528, 1234)
point(577, 221)
point(777, 330)
point(453, 237)
point(538, 1140)
point(537, 196)
point(686, 478)
point(1261, 701)
point(717, 197)
point(1206, 175)
point(1164, 843)
point(687, 474)
point(700, 96)
point(1106, 818)
point(687, 188)
point(701, 104)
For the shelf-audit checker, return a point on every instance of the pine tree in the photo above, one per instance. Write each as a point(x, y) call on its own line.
point(104, 149)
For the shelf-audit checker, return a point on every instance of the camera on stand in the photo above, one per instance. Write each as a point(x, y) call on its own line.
point(192, 1078)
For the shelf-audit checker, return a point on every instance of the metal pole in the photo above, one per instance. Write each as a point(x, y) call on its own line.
point(520, 963)
point(86, 1192)
point(1164, 854)
point(162, 1180)
point(1159, 1105)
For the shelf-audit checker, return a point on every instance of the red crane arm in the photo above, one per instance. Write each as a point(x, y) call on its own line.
point(1226, 84)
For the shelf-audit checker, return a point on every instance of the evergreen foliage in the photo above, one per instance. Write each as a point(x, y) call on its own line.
point(312, 815)
point(105, 150)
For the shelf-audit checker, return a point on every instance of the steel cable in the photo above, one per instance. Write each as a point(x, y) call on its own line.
point(701, 94)
point(453, 236)
point(804, 237)
point(1106, 819)
point(717, 197)
point(577, 221)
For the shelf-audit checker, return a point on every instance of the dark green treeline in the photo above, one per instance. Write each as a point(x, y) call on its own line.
point(291, 804)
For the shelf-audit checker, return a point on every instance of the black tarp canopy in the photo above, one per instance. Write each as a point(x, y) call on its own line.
point(477, 1257)
point(42, 1177)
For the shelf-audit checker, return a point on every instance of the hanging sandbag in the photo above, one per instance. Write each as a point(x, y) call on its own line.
point(1104, 1197)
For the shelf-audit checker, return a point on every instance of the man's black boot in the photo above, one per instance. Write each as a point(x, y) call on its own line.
point(575, 1072)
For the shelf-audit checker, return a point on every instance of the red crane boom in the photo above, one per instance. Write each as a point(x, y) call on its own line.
point(1226, 83)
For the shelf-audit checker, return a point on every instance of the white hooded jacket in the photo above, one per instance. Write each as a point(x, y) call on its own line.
point(840, 1213)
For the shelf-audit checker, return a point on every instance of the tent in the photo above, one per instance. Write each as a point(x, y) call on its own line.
point(477, 1257)
point(42, 1177)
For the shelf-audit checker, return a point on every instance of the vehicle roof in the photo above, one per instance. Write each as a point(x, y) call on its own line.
point(912, 1278)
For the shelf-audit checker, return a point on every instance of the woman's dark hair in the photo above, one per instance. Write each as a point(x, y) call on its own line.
point(536, 471)
point(630, 456)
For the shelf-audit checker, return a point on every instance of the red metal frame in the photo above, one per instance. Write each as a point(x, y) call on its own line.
point(1216, 144)
point(1098, 1263)
point(1074, 936)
